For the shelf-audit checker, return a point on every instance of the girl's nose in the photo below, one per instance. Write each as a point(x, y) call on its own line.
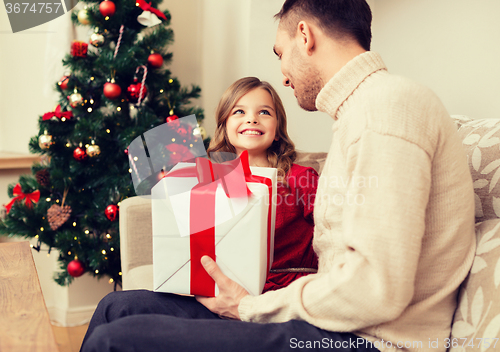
point(252, 119)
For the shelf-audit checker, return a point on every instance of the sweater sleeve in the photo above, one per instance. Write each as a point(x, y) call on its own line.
point(370, 281)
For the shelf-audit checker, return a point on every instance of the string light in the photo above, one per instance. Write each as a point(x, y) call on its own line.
point(173, 139)
point(119, 108)
point(108, 130)
point(103, 251)
point(108, 236)
point(48, 199)
point(111, 281)
point(96, 271)
point(87, 232)
point(36, 236)
point(74, 224)
point(111, 249)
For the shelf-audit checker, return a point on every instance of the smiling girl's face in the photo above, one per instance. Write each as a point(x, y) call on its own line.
point(252, 124)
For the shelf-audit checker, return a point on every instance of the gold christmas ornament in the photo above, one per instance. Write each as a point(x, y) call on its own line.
point(96, 39)
point(93, 150)
point(75, 99)
point(200, 130)
point(83, 16)
point(45, 141)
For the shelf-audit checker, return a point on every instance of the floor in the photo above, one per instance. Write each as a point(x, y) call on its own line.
point(69, 339)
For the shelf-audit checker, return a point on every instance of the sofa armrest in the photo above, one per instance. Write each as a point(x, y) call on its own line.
point(136, 243)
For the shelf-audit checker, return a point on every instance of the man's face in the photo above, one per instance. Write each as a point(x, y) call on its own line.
point(298, 71)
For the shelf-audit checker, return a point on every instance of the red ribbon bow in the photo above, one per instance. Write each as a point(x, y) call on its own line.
point(202, 211)
point(57, 113)
point(147, 7)
point(19, 195)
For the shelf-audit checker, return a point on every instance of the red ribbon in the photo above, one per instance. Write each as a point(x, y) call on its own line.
point(147, 7)
point(269, 183)
point(202, 211)
point(57, 113)
point(19, 195)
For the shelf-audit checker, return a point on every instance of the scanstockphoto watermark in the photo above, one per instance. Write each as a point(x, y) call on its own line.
point(25, 14)
point(327, 343)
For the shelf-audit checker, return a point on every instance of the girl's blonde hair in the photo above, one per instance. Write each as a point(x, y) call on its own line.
point(281, 154)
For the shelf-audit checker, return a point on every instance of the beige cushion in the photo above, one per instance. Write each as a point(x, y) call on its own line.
point(136, 239)
point(481, 141)
point(314, 160)
point(140, 277)
point(478, 313)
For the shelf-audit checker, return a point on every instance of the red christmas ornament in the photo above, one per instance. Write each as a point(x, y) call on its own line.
point(107, 8)
point(172, 118)
point(79, 154)
point(63, 82)
point(76, 268)
point(155, 60)
point(111, 212)
point(134, 91)
point(126, 151)
point(112, 90)
point(173, 122)
point(79, 49)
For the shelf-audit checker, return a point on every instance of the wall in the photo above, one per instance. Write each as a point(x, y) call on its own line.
point(449, 45)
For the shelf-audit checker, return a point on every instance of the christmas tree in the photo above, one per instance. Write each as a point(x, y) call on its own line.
point(116, 89)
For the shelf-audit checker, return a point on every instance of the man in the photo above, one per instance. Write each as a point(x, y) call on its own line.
point(394, 217)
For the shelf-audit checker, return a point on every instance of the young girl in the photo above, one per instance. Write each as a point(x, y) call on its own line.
point(250, 116)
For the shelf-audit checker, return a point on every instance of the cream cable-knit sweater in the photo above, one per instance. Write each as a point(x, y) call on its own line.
point(394, 217)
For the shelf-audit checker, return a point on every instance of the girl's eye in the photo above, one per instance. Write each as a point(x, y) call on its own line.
point(265, 112)
point(239, 111)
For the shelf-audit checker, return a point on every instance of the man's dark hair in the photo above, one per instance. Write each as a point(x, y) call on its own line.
point(337, 18)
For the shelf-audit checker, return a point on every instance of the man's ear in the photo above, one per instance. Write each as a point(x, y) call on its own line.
point(305, 34)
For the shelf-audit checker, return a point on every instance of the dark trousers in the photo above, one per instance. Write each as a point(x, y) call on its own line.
point(150, 321)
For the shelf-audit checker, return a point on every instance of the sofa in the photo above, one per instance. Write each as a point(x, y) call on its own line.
point(478, 314)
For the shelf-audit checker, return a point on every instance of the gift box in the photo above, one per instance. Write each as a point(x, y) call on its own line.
point(225, 212)
point(79, 49)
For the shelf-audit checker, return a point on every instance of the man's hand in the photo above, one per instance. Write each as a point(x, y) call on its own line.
point(230, 293)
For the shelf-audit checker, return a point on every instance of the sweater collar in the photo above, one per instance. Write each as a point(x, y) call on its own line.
point(344, 82)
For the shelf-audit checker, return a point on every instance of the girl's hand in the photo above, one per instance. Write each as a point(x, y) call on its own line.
point(230, 293)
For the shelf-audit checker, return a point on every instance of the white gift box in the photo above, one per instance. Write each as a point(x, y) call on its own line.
point(241, 233)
